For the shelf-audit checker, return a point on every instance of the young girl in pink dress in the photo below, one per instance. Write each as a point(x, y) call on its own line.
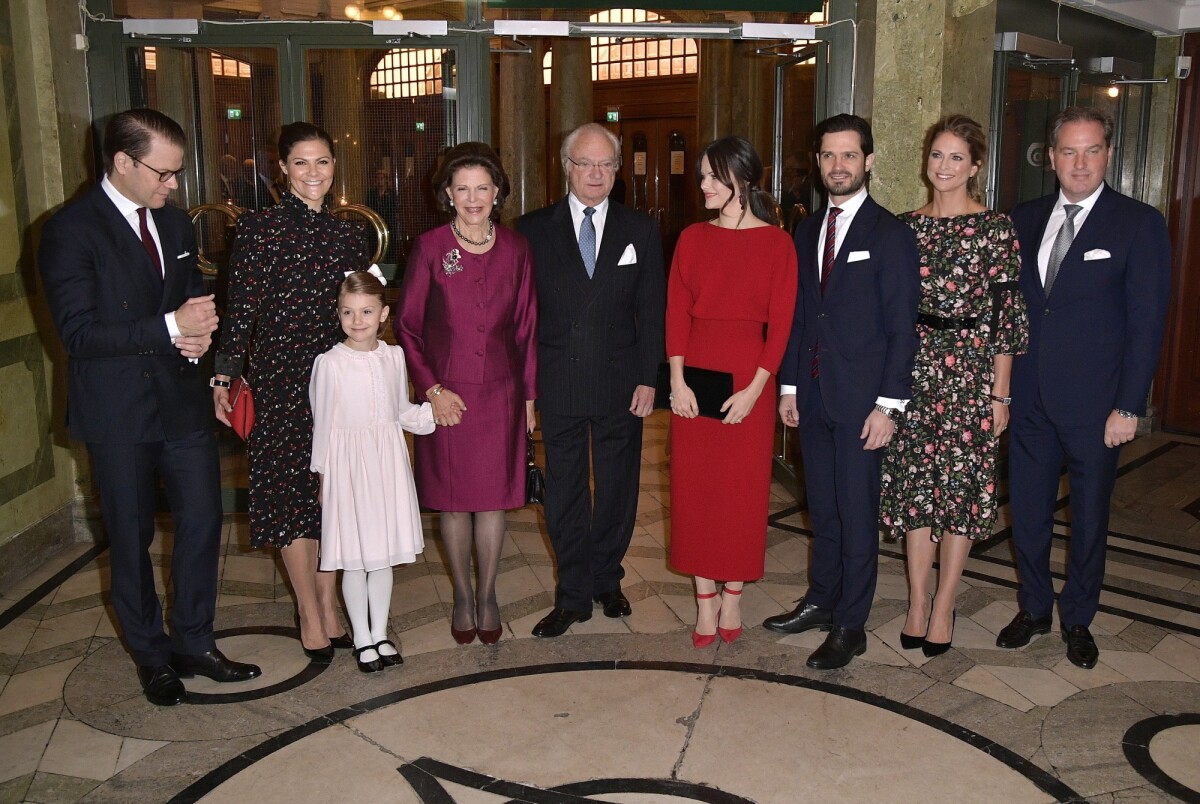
point(369, 516)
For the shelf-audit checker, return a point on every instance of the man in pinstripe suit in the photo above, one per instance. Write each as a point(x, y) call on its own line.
point(601, 304)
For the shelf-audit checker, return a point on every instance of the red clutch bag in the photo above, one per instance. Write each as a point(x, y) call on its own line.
point(242, 402)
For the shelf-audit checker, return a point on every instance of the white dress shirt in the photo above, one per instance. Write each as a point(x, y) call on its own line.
point(129, 211)
point(850, 208)
point(598, 217)
point(1058, 216)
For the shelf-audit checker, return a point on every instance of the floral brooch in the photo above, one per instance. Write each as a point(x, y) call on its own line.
point(452, 262)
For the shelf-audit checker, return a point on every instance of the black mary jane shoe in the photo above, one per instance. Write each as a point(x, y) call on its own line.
point(392, 659)
point(373, 666)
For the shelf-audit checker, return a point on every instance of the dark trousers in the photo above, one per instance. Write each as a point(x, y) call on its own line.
point(126, 475)
point(842, 481)
point(589, 536)
point(1038, 446)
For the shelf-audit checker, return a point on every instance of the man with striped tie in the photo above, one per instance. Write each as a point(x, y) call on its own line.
point(845, 378)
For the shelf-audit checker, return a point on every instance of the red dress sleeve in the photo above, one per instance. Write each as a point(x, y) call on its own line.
point(780, 306)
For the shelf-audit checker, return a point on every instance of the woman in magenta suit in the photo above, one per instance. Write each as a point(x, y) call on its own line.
point(468, 325)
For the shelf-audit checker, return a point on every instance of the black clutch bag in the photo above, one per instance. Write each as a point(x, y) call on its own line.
point(711, 388)
point(535, 481)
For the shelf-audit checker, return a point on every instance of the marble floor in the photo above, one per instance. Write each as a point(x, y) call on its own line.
point(626, 710)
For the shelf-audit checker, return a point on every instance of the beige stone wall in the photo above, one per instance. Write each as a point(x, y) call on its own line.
point(931, 58)
point(42, 142)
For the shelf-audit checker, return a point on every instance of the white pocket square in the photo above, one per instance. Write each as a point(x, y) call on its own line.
point(857, 256)
point(1097, 254)
point(629, 256)
point(184, 254)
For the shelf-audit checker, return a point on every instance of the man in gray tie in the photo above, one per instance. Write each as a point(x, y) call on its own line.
point(601, 306)
point(1096, 274)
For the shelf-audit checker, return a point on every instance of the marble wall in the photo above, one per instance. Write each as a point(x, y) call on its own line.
point(43, 140)
point(922, 51)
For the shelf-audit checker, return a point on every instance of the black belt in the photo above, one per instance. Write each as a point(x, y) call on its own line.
point(938, 322)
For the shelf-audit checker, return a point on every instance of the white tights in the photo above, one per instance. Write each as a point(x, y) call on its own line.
point(368, 598)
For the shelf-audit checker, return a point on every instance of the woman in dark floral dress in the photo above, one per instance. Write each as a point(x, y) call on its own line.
point(939, 476)
point(287, 265)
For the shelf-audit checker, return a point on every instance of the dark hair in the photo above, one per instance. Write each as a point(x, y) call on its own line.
point(844, 122)
point(294, 133)
point(130, 131)
point(736, 164)
point(362, 282)
point(467, 155)
point(1081, 114)
point(970, 132)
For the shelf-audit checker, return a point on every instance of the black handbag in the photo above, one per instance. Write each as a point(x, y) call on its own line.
point(535, 481)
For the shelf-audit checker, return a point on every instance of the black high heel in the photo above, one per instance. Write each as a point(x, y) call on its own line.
point(931, 649)
point(315, 655)
point(910, 642)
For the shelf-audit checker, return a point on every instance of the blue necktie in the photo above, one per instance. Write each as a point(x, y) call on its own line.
point(587, 241)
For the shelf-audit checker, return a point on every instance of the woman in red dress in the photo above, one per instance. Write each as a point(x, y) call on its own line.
point(729, 308)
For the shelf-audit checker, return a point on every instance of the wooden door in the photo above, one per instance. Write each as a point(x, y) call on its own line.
point(1177, 386)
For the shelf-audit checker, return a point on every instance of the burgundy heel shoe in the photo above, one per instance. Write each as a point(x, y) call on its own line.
point(729, 634)
point(490, 636)
point(463, 637)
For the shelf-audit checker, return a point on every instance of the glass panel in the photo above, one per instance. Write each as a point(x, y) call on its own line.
point(1031, 100)
point(362, 10)
point(1124, 104)
point(500, 9)
point(227, 100)
point(796, 192)
point(391, 119)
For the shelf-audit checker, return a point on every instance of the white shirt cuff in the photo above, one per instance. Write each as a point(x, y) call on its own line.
point(172, 327)
point(784, 390)
point(894, 404)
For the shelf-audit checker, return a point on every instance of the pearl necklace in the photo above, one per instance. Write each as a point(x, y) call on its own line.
point(486, 239)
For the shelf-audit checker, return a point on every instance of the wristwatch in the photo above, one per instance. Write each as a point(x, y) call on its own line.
point(1003, 400)
point(1124, 414)
point(215, 383)
point(891, 413)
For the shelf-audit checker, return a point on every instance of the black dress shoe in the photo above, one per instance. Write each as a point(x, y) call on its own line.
point(804, 617)
point(1022, 628)
point(842, 645)
point(214, 665)
point(1081, 648)
point(558, 621)
point(389, 659)
point(319, 655)
point(615, 604)
point(373, 666)
point(161, 684)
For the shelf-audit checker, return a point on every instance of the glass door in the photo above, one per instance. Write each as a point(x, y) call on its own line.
point(1026, 97)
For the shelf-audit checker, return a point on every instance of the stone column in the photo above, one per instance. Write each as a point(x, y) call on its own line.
point(522, 135)
point(921, 52)
point(714, 112)
point(571, 103)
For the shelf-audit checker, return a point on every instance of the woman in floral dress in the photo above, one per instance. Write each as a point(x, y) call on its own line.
point(287, 265)
point(939, 476)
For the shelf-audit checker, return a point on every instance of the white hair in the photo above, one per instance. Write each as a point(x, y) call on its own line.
point(589, 128)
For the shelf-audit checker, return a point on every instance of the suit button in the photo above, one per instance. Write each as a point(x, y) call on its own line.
point(1046, 311)
point(146, 374)
point(124, 305)
point(822, 315)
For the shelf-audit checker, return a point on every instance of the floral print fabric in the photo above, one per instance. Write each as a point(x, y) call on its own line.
point(940, 470)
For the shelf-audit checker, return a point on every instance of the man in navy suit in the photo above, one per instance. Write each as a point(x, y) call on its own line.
point(601, 317)
point(119, 270)
point(1096, 274)
point(845, 378)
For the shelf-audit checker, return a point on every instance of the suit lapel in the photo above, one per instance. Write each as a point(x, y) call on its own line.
point(858, 238)
point(169, 241)
point(611, 246)
point(1098, 220)
point(806, 247)
point(138, 269)
point(1043, 218)
point(568, 247)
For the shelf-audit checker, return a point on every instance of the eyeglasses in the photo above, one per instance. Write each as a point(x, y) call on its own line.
point(607, 165)
point(164, 176)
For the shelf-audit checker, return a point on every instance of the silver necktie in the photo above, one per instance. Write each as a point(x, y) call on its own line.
point(1062, 242)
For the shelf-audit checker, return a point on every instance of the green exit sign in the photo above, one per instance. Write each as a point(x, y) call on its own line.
point(614, 116)
point(420, 125)
point(233, 113)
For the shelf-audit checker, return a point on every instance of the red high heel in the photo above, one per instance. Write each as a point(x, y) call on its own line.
point(700, 640)
point(729, 634)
